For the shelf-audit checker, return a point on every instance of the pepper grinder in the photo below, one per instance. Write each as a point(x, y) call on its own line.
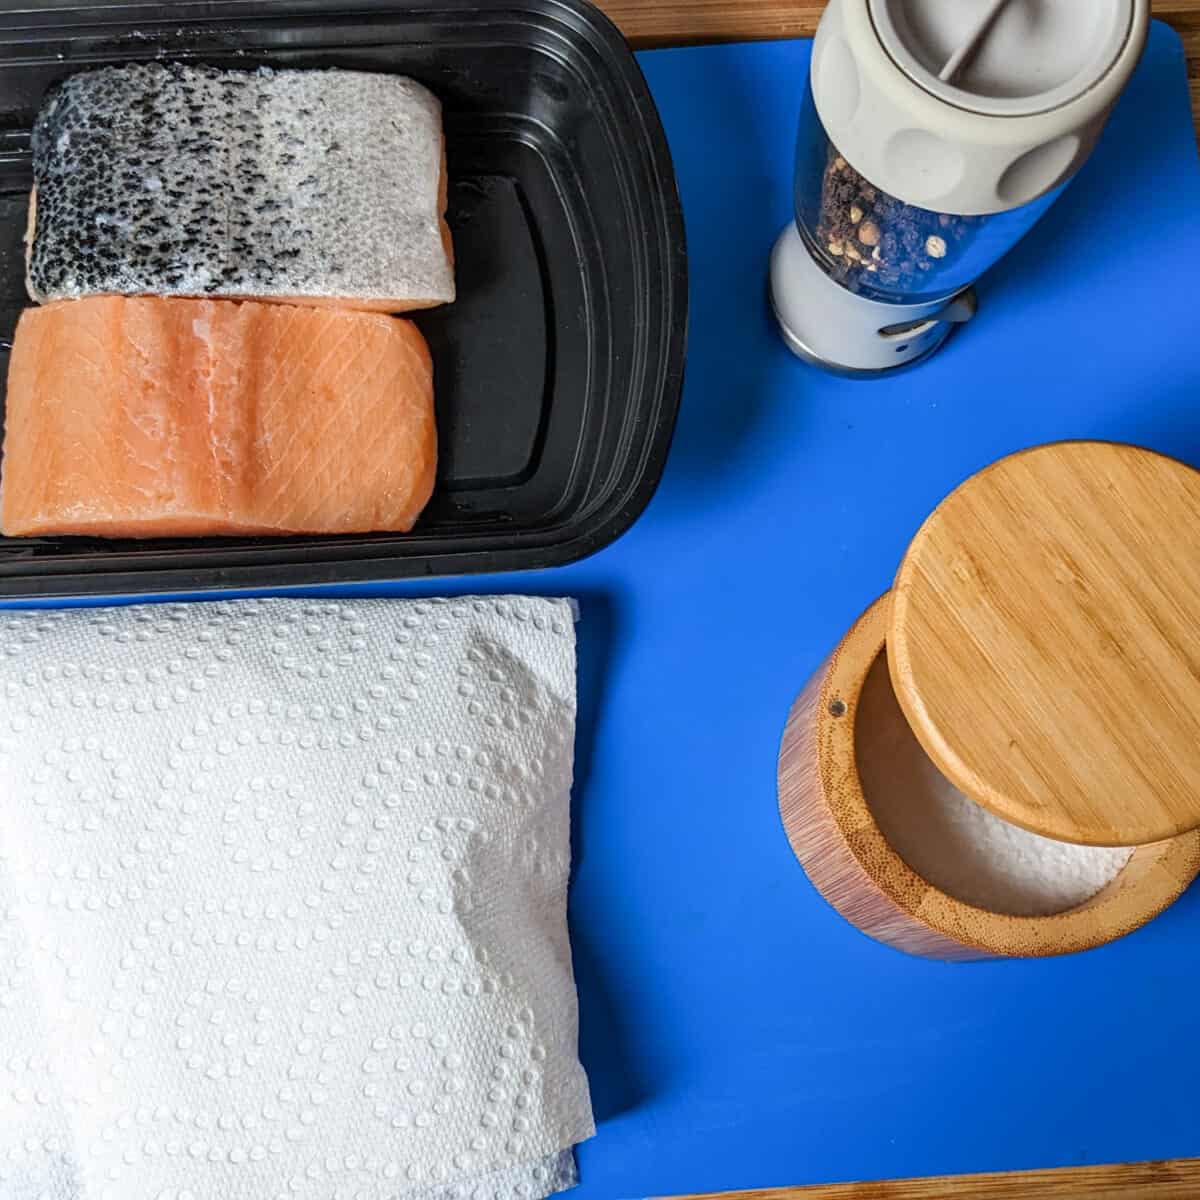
point(932, 136)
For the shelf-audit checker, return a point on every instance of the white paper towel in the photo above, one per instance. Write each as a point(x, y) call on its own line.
point(283, 888)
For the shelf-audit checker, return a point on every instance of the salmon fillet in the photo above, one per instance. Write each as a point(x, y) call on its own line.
point(301, 187)
point(150, 417)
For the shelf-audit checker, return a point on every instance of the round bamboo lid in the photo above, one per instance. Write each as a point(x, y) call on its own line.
point(1044, 642)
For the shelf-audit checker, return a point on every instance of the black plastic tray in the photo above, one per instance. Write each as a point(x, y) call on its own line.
point(557, 371)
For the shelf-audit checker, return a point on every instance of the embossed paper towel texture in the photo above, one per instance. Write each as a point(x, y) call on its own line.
point(284, 901)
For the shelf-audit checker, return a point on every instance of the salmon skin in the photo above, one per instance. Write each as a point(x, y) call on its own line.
point(306, 187)
point(148, 417)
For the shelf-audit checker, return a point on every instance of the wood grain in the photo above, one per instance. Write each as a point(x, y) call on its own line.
point(825, 814)
point(1173, 1179)
point(651, 23)
point(835, 836)
point(1043, 644)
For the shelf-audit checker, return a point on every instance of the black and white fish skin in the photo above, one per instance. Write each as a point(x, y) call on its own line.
point(174, 180)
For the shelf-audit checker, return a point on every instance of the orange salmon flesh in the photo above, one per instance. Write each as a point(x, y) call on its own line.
point(151, 417)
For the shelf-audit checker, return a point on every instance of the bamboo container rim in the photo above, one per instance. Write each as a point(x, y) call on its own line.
point(1153, 878)
point(1043, 641)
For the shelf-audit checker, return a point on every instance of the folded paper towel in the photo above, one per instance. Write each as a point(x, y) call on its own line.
point(282, 902)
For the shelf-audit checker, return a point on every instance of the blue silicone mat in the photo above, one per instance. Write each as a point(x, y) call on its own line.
point(736, 1031)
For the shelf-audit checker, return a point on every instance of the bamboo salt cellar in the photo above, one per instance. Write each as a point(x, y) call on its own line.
point(1041, 640)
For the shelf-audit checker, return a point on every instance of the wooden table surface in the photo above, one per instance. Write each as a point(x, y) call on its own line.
point(648, 23)
point(1177, 1179)
point(654, 23)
